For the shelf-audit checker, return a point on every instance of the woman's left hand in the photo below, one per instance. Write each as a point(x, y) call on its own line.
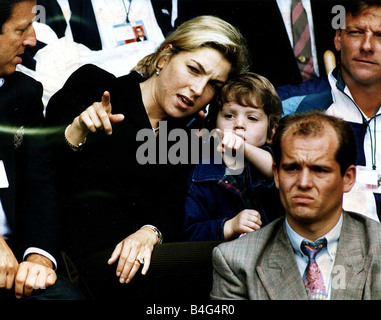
point(133, 251)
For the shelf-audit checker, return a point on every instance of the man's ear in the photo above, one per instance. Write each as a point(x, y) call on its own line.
point(349, 178)
point(276, 176)
point(337, 40)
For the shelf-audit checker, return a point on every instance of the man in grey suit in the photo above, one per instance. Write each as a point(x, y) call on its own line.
point(314, 157)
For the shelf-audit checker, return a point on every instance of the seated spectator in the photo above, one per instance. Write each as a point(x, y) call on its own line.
point(72, 33)
point(318, 251)
point(271, 45)
point(28, 200)
point(111, 199)
point(352, 92)
point(221, 202)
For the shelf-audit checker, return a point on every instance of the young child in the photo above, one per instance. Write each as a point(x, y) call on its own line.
point(220, 205)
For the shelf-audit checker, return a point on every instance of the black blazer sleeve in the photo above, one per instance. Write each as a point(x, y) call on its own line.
point(31, 203)
point(84, 87)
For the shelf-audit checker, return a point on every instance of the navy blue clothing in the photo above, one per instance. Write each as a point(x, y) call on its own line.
point(316, 94)
point(212, 199)
point(330, 94)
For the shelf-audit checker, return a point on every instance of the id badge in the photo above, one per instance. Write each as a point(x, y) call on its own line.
point(3, 176)
point(126, 33)
point(368, 179)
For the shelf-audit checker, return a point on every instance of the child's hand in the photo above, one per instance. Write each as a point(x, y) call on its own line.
point(232, 147)
point(246, 221)
point(231, 141)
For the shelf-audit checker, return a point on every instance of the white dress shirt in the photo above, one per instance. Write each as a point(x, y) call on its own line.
point(325, 258)
point(6, 231)
point(285, 9)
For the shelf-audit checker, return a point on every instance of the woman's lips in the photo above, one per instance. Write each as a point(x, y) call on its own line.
point(184, 102)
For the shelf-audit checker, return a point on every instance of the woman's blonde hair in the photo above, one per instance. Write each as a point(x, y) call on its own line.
point(202, 31)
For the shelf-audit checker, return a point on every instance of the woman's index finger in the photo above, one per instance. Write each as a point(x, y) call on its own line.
point(106, 101)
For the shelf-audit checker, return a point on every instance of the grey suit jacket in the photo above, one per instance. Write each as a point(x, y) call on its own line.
point(261, 265)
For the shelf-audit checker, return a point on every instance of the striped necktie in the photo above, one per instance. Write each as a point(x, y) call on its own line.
point(312, 277)
point(302, 40)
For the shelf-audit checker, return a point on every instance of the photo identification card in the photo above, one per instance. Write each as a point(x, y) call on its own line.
point(368, 179)
point(126, 33)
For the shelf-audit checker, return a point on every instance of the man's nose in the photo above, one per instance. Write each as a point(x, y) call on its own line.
point(30, 37)
point(367, 44)
point(304, 179)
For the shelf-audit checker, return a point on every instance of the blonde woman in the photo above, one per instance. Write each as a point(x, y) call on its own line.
point(122, 202)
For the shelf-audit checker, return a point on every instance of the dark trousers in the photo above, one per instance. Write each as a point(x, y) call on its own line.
point(63, 289)
point(179, 271)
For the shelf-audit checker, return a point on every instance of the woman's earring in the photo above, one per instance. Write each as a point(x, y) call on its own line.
point(157, 72)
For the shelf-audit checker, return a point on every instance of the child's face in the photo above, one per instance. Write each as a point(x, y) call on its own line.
point(247, 122)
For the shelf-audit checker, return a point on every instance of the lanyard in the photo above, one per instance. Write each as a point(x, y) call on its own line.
point(373, 147)
point(127, 11)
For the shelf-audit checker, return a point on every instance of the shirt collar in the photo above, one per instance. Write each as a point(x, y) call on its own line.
point(332, 238)
point(341, 85)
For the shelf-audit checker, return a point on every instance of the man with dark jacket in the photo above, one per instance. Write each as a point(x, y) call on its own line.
point(267, 32)
point(28, 200)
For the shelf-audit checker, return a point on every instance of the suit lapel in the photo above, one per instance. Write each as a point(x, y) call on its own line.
point(351, 265)
point(279, 272)
point(281, 278)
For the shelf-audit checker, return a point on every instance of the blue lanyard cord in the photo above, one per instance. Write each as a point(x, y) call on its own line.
point(127, 11)
point(375, 145)
point(373, 150)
